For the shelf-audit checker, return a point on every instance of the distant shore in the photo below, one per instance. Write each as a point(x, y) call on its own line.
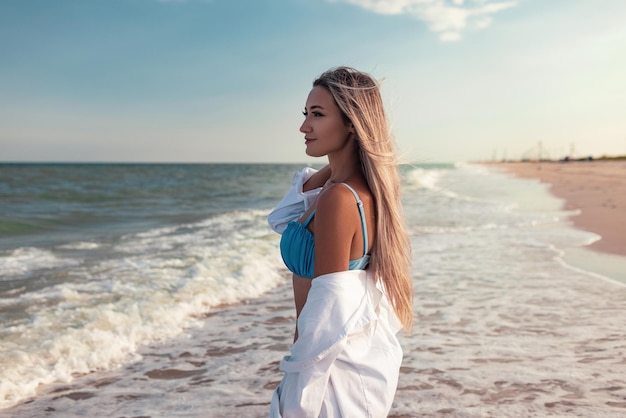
point(597, 188)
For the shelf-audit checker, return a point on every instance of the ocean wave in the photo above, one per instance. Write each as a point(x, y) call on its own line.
point(162, 283)
point(18, 263)
point(423, 177)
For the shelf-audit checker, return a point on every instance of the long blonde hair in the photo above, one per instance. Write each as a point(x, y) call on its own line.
point(358, 96)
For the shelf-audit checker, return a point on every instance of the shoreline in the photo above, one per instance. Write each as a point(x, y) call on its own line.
point(597, 189)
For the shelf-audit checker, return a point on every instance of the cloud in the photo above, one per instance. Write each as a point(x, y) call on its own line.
point(447, 18)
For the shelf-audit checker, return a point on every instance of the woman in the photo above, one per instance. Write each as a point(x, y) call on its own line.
point(345, 242)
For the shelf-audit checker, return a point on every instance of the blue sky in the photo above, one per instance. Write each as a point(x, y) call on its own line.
point(226, 80)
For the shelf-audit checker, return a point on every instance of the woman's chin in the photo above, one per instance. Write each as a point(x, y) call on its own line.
point(312, 153)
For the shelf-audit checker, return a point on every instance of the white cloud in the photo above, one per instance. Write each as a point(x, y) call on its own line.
point(448, 18)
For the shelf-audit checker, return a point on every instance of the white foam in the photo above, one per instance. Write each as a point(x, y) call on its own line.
point(83, 245)
point(611, 267)
point(24, 260)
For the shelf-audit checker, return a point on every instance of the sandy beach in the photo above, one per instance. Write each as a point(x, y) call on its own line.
point(597, 189)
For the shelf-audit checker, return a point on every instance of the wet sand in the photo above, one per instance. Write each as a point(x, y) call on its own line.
point(597, 189)
point(537, 348)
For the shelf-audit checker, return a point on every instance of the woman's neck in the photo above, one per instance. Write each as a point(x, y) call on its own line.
point(344, 167)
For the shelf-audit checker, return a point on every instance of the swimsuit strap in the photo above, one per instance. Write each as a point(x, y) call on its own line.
point(308, 219)
point(362, 214)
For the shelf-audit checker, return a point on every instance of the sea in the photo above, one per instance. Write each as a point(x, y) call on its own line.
point(158, 290)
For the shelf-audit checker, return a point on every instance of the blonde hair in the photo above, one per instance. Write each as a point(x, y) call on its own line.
point(358, 96)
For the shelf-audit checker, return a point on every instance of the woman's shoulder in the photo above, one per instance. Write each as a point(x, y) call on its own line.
point(340, 196)
point(332, 195)
point(336, 213)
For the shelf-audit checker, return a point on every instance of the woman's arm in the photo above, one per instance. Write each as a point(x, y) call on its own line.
point(336, 223)
point(301, 287)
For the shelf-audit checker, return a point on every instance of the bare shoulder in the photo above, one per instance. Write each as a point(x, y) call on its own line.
point(335, 200)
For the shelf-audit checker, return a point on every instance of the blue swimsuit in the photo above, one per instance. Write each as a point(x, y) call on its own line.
point(297, 245)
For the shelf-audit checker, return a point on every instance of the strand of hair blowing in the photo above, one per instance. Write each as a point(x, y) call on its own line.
point(358, 96)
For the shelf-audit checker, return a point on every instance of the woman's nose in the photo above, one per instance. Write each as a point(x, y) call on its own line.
point(305, 127)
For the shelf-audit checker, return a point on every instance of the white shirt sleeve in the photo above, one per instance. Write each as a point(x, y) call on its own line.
point(295, 202)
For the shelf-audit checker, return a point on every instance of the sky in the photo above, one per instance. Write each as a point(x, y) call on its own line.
point(226, 80)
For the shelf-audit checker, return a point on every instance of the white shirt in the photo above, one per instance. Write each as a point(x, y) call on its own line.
point(347, 358)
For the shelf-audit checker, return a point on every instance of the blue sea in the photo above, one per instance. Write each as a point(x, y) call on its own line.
point(158, 290)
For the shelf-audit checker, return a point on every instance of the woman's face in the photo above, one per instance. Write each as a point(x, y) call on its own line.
point(324, 128)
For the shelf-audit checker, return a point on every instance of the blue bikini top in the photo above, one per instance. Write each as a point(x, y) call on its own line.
point(297, 245)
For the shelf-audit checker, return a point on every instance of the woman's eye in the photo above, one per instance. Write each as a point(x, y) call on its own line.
point(305, 113)
point(317, 114)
